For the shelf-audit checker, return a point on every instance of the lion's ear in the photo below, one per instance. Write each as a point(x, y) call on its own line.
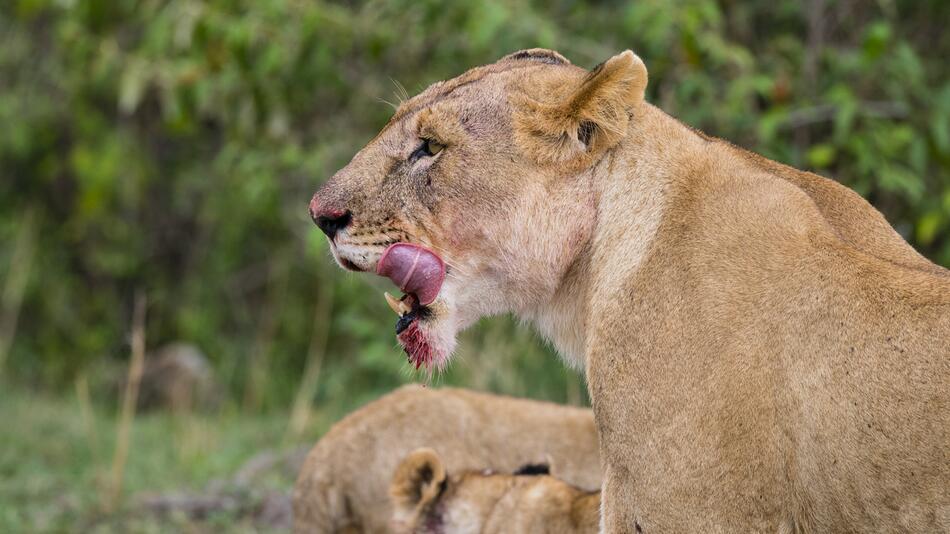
point(417, 482)
point(589, 118)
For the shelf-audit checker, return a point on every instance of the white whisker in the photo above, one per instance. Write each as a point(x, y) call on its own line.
point(401, 92)
point(384, 101)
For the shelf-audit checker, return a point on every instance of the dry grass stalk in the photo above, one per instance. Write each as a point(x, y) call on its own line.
point(129, 399)
point(15, 285)
point(258, 362)
point(301, 411)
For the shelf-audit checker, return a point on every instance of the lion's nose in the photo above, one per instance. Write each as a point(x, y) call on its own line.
point(330, 220)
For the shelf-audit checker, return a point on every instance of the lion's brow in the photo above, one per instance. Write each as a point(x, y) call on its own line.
point(406, 110)
point(471, 77)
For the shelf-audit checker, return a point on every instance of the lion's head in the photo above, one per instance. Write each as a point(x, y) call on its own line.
point(478, 196)
point(428, 500)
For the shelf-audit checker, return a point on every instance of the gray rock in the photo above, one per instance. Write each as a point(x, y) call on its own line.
point(178, 376)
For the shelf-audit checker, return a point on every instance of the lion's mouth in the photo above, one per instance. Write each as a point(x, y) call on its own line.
point(414, 269)
point(408, 309)
point(419, 273)
point(350, 266)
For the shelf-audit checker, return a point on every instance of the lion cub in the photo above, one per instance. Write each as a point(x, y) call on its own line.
point(342, 485)
point(427, 499)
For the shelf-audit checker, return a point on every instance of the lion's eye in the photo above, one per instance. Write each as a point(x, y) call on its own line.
point(428, 148)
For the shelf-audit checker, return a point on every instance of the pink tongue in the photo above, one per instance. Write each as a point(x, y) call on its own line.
point(414, 269)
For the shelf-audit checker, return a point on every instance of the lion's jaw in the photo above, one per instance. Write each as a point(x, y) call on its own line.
point(521, 274)
point(475, 286)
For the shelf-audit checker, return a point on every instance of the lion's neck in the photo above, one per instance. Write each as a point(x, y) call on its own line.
point(563, 319)
point(631, 191)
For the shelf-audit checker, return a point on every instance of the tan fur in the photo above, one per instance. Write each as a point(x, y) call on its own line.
point(343, 484)
point(427, 499)
point(763, 351)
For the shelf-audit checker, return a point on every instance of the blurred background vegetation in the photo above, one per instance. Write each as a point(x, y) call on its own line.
point(166, 151)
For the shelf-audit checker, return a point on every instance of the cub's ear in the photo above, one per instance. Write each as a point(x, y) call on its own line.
point(591, 116)
point(417, 482)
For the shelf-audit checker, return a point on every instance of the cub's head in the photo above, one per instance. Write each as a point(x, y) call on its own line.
point(476, 197)
point(427, 500)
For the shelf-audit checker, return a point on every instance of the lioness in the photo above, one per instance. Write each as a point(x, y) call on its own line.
point(763, 351)
point(427, 499)
point(343, 484)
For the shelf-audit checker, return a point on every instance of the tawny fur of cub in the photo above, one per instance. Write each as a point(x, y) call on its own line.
point(429, 499)
point(763, 351)
point(343, 484)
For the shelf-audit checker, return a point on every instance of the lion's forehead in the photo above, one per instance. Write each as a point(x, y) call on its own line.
point(486, 83)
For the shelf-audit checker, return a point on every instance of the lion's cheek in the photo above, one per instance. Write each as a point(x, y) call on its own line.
point(464, 234)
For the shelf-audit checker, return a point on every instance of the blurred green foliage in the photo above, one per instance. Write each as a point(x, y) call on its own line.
point(171, 147)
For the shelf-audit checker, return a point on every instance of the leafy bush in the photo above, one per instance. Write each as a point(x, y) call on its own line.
point(171, 147)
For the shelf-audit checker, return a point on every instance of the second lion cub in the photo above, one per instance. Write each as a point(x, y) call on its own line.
point(426, 499)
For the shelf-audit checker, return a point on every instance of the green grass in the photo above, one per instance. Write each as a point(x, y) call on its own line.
point(56, 460)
